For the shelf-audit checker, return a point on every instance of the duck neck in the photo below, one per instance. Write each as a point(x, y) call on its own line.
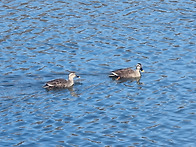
point(138, 72)
point(71, 80)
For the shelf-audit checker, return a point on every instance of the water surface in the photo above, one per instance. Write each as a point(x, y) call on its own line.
point(41, 40)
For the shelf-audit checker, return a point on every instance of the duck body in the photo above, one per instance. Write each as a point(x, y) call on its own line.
point(127, 72)
point(58, 83)
point(61, 83)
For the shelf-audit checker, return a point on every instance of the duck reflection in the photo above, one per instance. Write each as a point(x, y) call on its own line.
point(70, 89)
point(130, 80)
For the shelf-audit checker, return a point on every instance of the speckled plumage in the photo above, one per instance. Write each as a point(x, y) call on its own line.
point(127, 72)
point(61, 83)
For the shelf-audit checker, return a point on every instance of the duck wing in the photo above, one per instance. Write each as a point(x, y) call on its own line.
point(124, 73)
point(56, 83)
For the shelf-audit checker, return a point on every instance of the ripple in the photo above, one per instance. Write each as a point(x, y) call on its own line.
point(42, 40)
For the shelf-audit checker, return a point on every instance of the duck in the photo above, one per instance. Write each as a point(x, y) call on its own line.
point(127, 72)
point(61, 83)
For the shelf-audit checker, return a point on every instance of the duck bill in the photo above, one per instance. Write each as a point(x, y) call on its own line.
point(142, 70)
point(77, 76)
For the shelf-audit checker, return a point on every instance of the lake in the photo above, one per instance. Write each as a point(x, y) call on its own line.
point(44, 40)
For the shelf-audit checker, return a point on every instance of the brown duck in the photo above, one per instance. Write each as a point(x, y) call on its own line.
point(127, 72)
point(61, 83)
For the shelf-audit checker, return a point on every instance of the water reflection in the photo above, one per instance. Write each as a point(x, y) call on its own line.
point(70, 89)
point(130, 80)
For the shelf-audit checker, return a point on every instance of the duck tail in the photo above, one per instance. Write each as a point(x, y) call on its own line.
point(113, 74)
point(46, 86)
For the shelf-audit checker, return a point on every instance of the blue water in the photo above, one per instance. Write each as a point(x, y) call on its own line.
point(42, 40)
